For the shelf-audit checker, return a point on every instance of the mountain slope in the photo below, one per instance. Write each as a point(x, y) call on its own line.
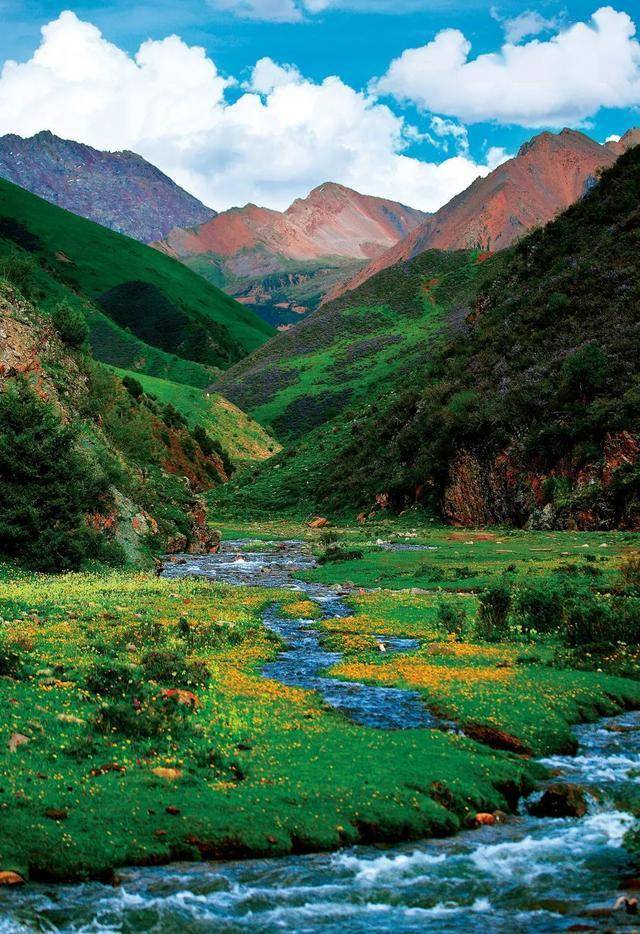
point(243, 440)
point(153, 300)
point(90, 468)
point(549, 173)
point(527, 408)
point(120, 190)
point(339, 355)
point(282, 263)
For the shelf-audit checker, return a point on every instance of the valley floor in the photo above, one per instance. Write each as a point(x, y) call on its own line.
point(137, 726)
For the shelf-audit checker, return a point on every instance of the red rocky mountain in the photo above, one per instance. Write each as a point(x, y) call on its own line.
point(282, 263)
point(549, 173)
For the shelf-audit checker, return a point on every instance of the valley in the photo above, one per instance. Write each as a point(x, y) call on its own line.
point(319, 563)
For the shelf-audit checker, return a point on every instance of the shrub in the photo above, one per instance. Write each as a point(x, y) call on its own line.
point(538, 605)
point(112, 678)
point(588, 621)
point(152, 716)
point(21, 271)
point(493, 615)
point(169, 667)
point(70, 324)
point(338, 554)
point(630, 573)
point(133, 387)
point(10, 659)
point(452, 618)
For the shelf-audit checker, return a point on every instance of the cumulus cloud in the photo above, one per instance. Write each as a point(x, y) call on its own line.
point(283, 135)
point(563, 80)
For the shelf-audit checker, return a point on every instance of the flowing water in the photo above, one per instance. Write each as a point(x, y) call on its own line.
point(526, 875)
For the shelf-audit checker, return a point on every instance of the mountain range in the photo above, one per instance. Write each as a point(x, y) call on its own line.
point(283, 263)
point(549, 173)
point(489, 388)
point(120, 190)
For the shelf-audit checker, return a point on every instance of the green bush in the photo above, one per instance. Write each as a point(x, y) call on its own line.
point(22, 272)
point(112, 678)
point(162, 717)
point(588, 620)
point(493, 615)
point(538, 605)
point(174, 668)
point(70, 324)
point(452, 619)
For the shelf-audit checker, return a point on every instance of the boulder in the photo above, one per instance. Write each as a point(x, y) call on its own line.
point(483, 819)
point(560, 801)
point(7, 877)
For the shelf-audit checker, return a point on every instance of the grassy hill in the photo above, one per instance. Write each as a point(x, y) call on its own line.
point(340, 355)
point(243, 440)
point(148, 296)
point(92, 468)
point(521, 408)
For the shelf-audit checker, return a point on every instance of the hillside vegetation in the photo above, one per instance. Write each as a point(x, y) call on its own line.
point(92, 468)
point(241, 438)
point(340, 355)
point(144, 308)
point(526, 408)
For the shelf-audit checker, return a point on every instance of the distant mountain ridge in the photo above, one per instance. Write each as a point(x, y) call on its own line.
point(549, 173)
point(119, 190)
point(286, 261)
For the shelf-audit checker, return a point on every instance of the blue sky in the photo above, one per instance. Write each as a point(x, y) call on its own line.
point(358, 44)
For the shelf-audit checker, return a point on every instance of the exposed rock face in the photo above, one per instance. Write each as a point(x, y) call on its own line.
point(282, 263)
point(331, 221)
point(120, 190)
point(494, 490)
point(549, 173)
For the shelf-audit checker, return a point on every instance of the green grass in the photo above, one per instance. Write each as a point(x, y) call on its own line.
point(467, 560)
point(259, 768)
point(244, 440)
point(91, 260)
point(344, 352)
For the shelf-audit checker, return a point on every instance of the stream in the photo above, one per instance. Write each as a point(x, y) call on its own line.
point(526, 875)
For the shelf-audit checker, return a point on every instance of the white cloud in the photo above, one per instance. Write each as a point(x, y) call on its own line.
point(614, 138)
point(443, 128)
point(282, 136)
point(563, 80)
point(529, 23)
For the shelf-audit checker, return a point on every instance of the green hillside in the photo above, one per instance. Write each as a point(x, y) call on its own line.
point(340, 355)
point(92, 469)
point(244, 440)
point(155, 299)
point(525, 410)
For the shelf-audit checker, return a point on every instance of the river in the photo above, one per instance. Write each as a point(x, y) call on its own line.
point(526, 875)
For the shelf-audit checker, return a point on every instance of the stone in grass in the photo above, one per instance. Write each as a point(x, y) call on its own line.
point(8, 877)
point(16, 740)
point(560, 801)
point(56, 814)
